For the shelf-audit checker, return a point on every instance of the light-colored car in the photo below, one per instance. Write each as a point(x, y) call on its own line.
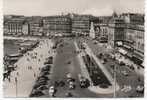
point(140, 89)
point(125, 73)
point(68, 75)
point(126, 88)
point(52, 91)
point(71, 85)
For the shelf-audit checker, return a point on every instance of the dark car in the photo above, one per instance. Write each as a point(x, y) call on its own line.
point(44, 73)
point(68, 94)
point(39, 81)
point(43, 77)
point(69, 62)
point(37, 93)
point(45, 69)
point(83, 81)
point(140, 89)
point(121, 63)
point(43, 87)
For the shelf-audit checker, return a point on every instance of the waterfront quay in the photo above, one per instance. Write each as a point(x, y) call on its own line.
point(68, 67)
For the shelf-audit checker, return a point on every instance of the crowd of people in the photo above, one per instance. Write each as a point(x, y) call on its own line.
point(29, 64)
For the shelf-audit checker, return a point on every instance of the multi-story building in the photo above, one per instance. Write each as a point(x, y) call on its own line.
point(133, 18)
point(127, 31)
point(57, 24)
point(134, 36)
point(16, 27)
point(116, 32)
point(96, 25)
point(101, 26)
point(138, 45)
point(80, 24)
point(36, 25)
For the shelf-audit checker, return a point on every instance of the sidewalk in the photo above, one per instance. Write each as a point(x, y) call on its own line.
point(139, 71)
point(21, 38)
point(82, 65)
point(26, 77)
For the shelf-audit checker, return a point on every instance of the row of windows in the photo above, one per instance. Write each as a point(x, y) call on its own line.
point(57, 26)
point(82, 26)
point(57, 19)
point(12, 26)
point(139, 46)
point(57, 23)
point(14, 30)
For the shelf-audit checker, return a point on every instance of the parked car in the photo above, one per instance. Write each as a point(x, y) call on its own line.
point(83, 82)
point(61, 83)
point(95, 42)
point(46, 67)
point(68, 75)
point(125, 73)
point(52, 91)
point(68, 94)
point(43, 87)
point(103, 62)
point(140, 89)
point(37, 93)
point(43, 77)
point(69, 62)
point(121, 63)
point(71, 85)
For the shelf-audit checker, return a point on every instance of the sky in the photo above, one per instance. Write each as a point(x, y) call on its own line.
point(57, 7)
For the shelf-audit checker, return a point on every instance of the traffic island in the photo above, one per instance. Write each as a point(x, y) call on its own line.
point(101, 81)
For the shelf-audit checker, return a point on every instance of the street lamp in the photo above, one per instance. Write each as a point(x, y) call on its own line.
point(16, 85)
point(114, 73)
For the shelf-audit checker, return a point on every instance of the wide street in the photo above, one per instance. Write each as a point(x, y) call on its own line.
point(66, 60)
point(123, 80)
point(65, 54)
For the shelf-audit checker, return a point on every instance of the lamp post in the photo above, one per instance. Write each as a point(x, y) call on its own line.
point(114, 95)
point(16, 85)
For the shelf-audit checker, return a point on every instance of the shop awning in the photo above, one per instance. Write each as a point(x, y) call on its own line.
point(122, 51)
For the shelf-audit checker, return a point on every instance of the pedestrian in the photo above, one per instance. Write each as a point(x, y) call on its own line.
point(34, 75)
point(5, 75)
point(30, 67)
point(9, 79)
point(138, 67)
point(28, 59)
point(39, 68)
point(15, 66)
point(17, 73)
point(139, 79)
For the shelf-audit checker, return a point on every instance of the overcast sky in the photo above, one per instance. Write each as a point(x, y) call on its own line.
point(54, 7)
